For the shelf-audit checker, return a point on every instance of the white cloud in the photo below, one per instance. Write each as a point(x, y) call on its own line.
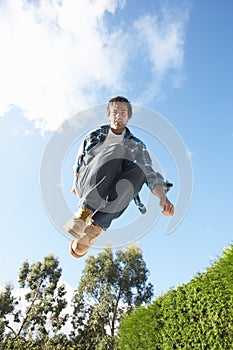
point(58, 57)
point(55, 57)
point(165, 44)
point(163, 39)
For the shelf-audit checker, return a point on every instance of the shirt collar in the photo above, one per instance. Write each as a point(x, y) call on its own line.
point(105, 129)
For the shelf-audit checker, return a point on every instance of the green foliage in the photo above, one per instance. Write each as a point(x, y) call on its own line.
point(6, 301)
point(45, 302)
point(114, 290)
point(198, 315)
point(58, 343)
point(110, 287)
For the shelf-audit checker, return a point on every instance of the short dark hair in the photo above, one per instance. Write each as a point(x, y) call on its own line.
point(120, 99)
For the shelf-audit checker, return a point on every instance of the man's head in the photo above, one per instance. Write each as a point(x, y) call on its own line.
point(119, 100)
point(119, 111)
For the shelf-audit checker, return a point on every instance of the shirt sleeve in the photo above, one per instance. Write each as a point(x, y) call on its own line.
point(153, 178)
point(79, 158)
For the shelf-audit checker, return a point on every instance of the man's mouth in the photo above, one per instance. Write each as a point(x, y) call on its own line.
point(117, 121)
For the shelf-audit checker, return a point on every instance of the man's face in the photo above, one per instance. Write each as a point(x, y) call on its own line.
point(118, 116)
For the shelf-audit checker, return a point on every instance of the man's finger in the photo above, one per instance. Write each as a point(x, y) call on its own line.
point(168, 210)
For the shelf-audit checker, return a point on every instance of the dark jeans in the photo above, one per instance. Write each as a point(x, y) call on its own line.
point(107, 185)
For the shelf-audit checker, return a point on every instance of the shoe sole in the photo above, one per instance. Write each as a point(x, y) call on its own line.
point(72, 252)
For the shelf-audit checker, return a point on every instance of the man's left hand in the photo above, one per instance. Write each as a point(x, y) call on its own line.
point(167, 207)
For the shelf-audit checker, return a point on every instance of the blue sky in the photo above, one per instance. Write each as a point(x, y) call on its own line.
point(170, 56)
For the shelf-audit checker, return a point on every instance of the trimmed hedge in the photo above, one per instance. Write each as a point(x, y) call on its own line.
point(198, 315)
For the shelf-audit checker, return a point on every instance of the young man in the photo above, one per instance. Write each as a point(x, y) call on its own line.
point(108, 156)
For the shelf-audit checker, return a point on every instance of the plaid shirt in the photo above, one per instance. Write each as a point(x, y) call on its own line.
point(136, 152)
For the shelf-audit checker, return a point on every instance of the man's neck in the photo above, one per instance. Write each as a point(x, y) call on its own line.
point(117, 132)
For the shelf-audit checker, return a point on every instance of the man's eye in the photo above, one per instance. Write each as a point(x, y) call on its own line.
point(120, 113)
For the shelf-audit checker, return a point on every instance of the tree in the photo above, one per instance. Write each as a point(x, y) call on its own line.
point(111, 286)
point(45, 301)
point(198, 315)
point(7, 307)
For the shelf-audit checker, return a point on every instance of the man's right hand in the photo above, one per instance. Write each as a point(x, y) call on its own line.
point(73, 190)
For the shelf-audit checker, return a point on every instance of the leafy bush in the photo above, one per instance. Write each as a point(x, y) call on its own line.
point(198, 315)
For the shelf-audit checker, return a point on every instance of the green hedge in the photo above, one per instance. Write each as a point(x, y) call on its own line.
point(198, 315)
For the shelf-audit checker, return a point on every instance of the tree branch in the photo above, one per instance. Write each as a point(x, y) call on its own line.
point(27, 315)
point(115, 314)
point(11, 329)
